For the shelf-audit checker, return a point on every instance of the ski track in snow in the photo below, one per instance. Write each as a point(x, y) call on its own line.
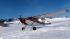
point(54, 31)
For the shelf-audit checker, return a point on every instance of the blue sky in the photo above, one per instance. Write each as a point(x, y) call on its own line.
point(14, 8)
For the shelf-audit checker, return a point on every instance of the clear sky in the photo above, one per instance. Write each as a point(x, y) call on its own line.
point(14, 8)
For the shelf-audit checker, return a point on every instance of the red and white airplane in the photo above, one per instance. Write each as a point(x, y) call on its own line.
point(34, 21)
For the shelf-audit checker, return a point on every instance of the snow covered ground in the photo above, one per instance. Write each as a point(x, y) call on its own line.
point(60, 30)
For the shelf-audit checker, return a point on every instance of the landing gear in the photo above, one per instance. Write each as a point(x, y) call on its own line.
point(23, 28)
point(34, 28)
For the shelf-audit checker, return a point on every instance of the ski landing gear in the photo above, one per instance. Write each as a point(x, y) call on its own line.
point(34, 28)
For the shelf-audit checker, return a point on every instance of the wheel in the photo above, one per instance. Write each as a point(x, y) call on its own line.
point(34, 28)
point(23, 28)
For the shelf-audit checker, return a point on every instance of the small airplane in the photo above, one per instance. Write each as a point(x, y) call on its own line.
point(34, 21)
